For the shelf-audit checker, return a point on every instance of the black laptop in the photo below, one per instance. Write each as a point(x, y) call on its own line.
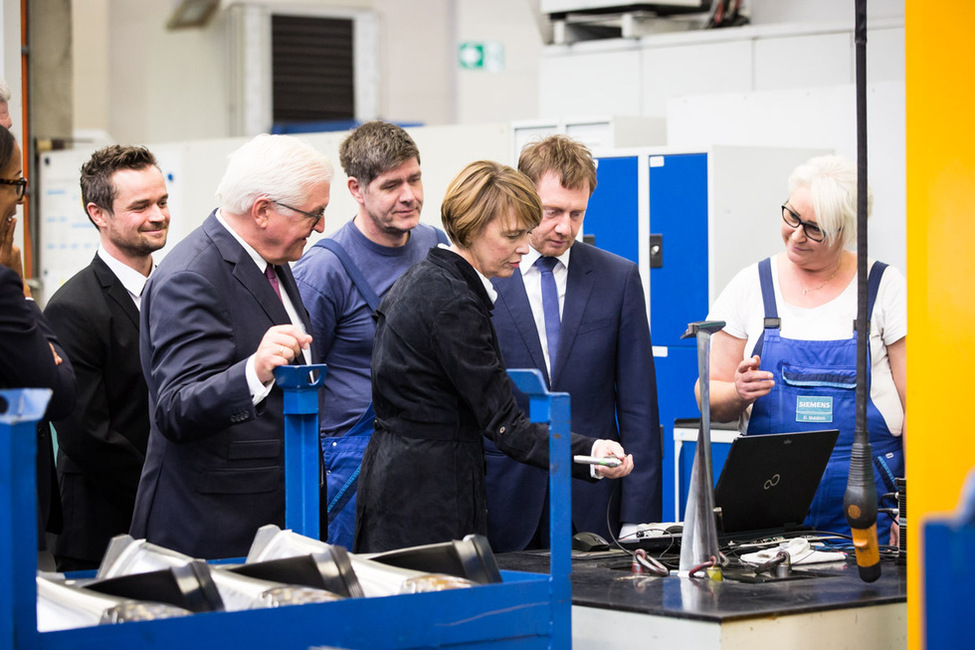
point(768, 481)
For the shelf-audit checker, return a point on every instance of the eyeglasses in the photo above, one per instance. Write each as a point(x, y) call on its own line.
point(314, 216)
point(813, 232)
point(19, 183)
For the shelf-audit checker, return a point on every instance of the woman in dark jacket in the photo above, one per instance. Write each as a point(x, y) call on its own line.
point(438, 380)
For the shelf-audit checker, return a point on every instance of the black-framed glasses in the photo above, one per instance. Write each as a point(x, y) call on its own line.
point(314, 216)
point(19, 183)
point(813, 232)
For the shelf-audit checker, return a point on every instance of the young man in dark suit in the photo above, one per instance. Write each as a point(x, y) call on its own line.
point(220, 313)
point(578, 314)
point(102, 444)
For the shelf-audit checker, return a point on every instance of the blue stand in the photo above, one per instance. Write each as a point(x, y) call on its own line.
point(554, 408)
point(19, 412)
point(525, 611)
point(302, 452)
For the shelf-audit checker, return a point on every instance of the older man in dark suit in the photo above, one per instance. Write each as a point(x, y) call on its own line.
point(578, 314)
point(218, 315)
point(95, 314)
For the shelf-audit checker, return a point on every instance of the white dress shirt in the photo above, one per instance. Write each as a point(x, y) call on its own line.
point(133, 281)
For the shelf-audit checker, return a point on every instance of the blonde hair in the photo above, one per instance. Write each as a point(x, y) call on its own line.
point(483, 191)
point(832, 184)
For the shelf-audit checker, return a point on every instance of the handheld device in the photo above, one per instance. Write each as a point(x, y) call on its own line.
point(607, 461)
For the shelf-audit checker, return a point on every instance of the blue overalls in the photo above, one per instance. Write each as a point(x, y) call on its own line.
point(815, 388)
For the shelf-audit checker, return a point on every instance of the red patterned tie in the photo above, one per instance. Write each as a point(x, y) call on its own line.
point(272, 277)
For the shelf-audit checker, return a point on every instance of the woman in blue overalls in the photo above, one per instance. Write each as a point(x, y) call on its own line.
point(786, 359)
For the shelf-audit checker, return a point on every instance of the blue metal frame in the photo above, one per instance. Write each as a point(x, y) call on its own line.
point(525, 611)
point(949, 545)
point(302, 476)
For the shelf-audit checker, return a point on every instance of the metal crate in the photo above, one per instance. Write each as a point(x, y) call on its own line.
point(525, 611)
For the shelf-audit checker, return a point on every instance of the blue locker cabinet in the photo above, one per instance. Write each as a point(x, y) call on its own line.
point(690, 219)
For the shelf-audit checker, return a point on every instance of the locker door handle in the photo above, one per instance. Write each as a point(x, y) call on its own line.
point(656, 251)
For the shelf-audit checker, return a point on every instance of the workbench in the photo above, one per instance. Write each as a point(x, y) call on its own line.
point(613, 608)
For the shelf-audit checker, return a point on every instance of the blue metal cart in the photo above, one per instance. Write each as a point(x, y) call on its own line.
point(524, 611)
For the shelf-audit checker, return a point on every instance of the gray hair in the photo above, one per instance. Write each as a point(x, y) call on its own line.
point(5, 94)
point(832, 184)
point(278, 166)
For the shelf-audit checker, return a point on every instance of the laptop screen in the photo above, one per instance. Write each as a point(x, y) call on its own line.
point(769, 481)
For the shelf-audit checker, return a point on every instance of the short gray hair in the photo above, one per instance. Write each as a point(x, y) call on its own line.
point(832, 184)
point(278, 166)
point(5, 94)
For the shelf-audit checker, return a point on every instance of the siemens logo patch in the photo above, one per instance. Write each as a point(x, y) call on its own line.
point(813, 408)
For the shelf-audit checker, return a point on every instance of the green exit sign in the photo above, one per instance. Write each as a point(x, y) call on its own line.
point(487, 55)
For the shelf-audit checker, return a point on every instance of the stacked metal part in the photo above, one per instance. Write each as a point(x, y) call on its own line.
point(138, 580)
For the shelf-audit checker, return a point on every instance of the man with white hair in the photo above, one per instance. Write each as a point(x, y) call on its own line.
point(220, 313)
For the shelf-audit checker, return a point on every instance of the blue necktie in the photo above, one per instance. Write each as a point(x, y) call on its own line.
point(550, 307)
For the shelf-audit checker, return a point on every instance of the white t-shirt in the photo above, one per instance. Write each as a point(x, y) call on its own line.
point(740, 306)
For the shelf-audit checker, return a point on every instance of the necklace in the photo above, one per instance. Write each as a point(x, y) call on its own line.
point(822, 284)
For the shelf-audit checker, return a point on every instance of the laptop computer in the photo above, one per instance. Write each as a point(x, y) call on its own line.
point(768, 481)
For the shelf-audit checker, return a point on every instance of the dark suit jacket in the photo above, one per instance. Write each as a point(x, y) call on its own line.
point(605, 363)
point(102, 444)
point(439, 389)
point(26, 362)
point(214, 470)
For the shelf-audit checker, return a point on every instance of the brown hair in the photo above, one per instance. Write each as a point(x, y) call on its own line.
point(96, 174)
point(483, 191)
point(375, 148)
point(570, 160)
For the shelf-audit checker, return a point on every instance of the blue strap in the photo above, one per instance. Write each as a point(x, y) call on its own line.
point(768, 290)
point(768, 299)
point(873, 285)
point(338, 503)
point(358, 279)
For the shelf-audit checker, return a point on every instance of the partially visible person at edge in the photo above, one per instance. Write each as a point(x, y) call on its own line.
point(6, 120)
point(341, 279)
point(765, 361)
point(30, 354)
point(439, 384)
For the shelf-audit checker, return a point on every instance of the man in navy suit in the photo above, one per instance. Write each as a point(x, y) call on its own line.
point(588, 335)
point(220, 313)
point(102, 444)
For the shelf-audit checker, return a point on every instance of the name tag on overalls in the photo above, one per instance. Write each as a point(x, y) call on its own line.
point(814, 409)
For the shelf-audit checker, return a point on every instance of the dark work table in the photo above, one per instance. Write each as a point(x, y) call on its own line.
point(604, 580)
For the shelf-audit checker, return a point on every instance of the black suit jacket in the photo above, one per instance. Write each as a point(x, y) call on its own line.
point(214, 470)
point(26, 362)
point(102, 444)
point(439, 389)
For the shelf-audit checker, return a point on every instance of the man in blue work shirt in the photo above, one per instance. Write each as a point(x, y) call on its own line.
point(341, 279)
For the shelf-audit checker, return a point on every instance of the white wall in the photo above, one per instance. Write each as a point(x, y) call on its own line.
point(512, 93)
point(822, 117)
point(417, 61)
point(799, 11)
point(761, 85)
point(140, 82)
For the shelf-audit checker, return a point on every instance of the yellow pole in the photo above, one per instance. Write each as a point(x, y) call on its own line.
point(940, 105)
